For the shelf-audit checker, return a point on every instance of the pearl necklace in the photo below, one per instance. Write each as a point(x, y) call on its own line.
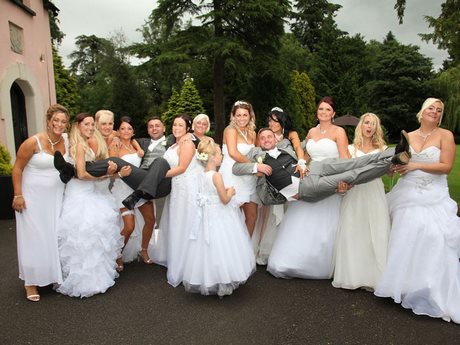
point(425, 136)
point(53, 144)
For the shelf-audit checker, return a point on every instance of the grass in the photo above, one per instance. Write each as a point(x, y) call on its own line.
point(453, 179)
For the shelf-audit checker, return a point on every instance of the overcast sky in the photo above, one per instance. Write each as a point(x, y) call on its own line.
point(371, 18)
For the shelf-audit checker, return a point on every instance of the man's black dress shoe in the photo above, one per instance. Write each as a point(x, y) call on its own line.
point(403, 145)
point(66, 170)
point(401, 158)
point(131, 201)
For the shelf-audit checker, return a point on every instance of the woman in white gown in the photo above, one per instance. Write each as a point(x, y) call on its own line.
point(306, 237)
point(38, 194)
point(88, 232)
point(133, 246)
point(269, 217)
point(219, 256)
point(239, 138)
point(364, 226)
point(181, 205)
point(423, 269)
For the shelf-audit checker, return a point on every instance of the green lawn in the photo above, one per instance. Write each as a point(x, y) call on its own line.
point(453, 179)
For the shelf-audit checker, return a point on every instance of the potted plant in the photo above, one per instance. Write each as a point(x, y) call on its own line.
point(6, 184)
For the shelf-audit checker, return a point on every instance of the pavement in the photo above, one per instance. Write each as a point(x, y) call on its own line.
point(143, 309)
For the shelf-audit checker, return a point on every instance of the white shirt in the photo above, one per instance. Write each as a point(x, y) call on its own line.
point(154, 143)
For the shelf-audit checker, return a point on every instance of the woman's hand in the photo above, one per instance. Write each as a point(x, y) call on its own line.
point(19, 204)
point(112, 168)
point(125, 171)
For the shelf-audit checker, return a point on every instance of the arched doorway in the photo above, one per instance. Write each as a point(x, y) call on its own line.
point(18, 110)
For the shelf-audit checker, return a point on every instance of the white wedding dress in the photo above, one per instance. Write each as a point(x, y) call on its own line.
point(245, 185)
point(179, 213)
point(219, 256)
point(362, 238)
point(89, 238)
point(306, 236)
point(423, 269)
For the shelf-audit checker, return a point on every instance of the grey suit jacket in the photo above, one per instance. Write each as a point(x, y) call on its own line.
point(253, 155)
point(266, 192)
point(149, 157)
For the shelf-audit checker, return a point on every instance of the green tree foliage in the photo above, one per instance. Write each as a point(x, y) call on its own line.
point(186, 101)
point(447, 87)
point(446, 31)
point(309, 20)
point(400, 7)
point(5, 162)
point(302, 108)
point(230, 35)
point(66, 85)
point(399, 84)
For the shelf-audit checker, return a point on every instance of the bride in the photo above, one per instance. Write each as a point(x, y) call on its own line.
point(89, 227)
point(422, 271)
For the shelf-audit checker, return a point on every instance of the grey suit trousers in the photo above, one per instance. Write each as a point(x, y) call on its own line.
point(324, 176)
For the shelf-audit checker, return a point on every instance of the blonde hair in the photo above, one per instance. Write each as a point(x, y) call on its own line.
point(377, 138)
point(103, 115)
point(428, 103)
point(76, 138)
point(243, 105)
point(201, 117)
point(206, 148)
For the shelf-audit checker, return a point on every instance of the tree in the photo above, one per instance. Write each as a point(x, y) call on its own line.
point(186, 101)
point(400, 84)
point(446, 31)
point(230, 34)
point(66, 85)
point(302, 103)
point(310, 19)
point(447, 86)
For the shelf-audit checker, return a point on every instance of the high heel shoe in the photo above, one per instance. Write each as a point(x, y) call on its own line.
point(145, 259)
point(120, 266)
point(32, 293)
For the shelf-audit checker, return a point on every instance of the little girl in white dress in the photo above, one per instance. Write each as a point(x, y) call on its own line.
point(220, 255)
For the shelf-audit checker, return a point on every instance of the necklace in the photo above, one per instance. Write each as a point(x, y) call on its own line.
point(245, 136)
point(322, 131)
point(130, 148)
point(53, 144)
point(425, 136)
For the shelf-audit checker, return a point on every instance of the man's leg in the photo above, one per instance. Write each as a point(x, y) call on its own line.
point(334, 166)
point(324, 176)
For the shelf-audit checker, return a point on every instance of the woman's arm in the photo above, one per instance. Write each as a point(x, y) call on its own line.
point(186, 153)
point(342, 143)
point(231, 140)
point(25, 153)
point(225, 194)
point(138, 148)
point(295, 141)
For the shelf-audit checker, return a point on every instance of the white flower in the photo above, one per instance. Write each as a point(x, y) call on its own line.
point(202, 157)
point(260, 159)
point(163, 143)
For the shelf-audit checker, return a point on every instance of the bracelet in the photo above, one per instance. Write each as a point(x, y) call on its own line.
point(17, 196)
point(119, 175)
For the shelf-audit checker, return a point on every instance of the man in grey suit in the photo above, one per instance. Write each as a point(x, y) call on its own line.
point(148, 181)
point(275, 167)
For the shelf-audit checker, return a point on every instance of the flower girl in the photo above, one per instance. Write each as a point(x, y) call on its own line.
point(220, 255)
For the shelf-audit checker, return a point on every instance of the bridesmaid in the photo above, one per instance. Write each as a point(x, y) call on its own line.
point(364, 226)
point(239, 138)
point(422, 271)
point(306, 237)
point(126, 151)
point(38, 194)
point(200, 126)
point(181, 206)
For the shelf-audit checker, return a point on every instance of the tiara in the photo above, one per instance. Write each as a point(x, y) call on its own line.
point(237, 103)
point(277, 109)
